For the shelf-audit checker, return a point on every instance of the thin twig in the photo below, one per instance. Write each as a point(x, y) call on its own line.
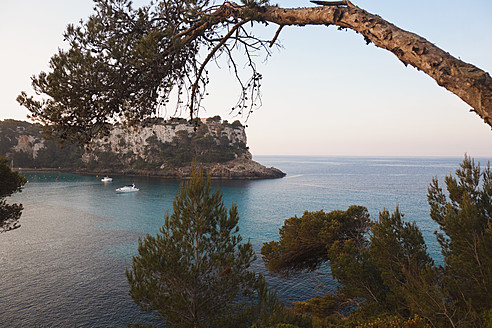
point(210, 55)
point(276, 36)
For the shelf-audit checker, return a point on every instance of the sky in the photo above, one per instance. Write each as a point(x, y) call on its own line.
point(325, 92)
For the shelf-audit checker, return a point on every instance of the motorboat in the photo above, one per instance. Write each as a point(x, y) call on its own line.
point(106, 179)
point(127, 188)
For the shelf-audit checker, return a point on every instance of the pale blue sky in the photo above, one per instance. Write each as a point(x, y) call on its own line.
point(324, 93)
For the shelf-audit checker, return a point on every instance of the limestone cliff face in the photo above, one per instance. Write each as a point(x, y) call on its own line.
point(27, 144)
point(137, 140)
point(157, 148)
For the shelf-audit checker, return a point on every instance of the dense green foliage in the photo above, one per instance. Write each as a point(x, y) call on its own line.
point(195, 272)
point(384, 268)
point(465, 222)
point(303, 241)
point(123, 63)
point(10, 182)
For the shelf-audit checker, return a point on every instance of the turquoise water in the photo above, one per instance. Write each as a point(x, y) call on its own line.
point(66, 264)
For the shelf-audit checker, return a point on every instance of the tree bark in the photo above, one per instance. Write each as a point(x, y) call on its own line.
point(471, 84)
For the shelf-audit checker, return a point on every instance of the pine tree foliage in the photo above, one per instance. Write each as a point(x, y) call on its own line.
point(125, 63)
point(195, 272)
point(10, 182)
point(379, 276)
point(303, 241)
point(465, 223)
point(385, 268)
point(398, 250)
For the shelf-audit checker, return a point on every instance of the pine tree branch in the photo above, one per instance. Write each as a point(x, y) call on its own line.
point(205, 62)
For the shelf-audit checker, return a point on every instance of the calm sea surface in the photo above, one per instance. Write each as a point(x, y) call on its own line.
point(66, 265)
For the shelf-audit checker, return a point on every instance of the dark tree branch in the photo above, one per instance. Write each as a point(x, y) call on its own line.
point(471, 84)
point(124, 63)
point(276, 36)
point(205, 62)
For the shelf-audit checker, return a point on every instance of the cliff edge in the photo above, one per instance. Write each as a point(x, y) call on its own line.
point(156, 148)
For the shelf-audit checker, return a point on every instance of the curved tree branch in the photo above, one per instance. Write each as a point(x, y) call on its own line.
point(471, 84)
point(123, 63)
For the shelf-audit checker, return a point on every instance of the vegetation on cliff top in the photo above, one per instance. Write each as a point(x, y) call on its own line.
point(24, 143)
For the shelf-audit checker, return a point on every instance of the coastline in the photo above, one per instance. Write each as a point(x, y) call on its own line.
point(160, 148)
point(232, 170)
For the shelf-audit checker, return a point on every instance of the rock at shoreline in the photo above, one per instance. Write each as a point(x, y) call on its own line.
point(240, 168)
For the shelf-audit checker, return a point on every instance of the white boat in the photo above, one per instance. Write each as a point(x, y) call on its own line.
point(106, 179)
point(127, 188)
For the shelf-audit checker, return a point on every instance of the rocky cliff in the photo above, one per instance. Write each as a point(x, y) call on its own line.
point(157, 148)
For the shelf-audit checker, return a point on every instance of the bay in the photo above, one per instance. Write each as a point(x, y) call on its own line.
point(66, 265)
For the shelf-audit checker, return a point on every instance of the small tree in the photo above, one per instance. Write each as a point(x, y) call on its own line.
point(196, 269)
point(303, 241)
point(373, 269)
point(464, 217)
point(10, 182)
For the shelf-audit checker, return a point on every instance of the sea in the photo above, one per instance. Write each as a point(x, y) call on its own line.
point(65, 266)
